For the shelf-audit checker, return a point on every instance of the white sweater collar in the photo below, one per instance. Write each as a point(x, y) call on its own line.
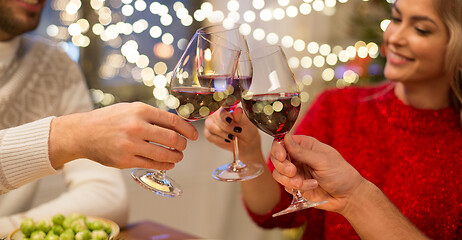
point(7, 52)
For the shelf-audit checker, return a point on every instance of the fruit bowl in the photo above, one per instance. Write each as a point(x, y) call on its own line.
point(18, 235)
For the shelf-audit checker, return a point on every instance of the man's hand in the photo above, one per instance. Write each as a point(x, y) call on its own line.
point(318, 170)
point(124, 135)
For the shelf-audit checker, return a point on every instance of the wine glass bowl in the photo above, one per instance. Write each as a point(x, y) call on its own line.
point(243, 74)
point(273, 113)
point(203, 83)
point(272, 103)
point(236, 170)
point(198, 102)
point(200, 83)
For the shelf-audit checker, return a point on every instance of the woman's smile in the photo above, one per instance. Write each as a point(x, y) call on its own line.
point(398, 59)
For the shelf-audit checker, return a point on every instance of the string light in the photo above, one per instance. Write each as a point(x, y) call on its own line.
point(115, 30)
point(272, 38)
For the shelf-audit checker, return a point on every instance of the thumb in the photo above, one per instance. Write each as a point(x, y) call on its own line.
point(237, 114)
point(301, 149)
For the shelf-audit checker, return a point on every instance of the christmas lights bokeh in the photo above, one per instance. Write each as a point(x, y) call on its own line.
point(142, 40)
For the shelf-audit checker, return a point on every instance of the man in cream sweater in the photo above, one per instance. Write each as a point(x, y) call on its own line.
point(47, 127)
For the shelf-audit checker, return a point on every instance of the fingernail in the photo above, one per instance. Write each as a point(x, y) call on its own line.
point(231, 136)
point(226, 140)
point(228, 119)
point(238, 129)
point(290, 140)
point(195, 135)
point(312, 183)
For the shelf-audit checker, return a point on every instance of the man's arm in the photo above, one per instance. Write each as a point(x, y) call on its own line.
point(368, 210)
point(374, 216)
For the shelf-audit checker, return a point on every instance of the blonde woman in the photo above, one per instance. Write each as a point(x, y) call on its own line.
point(387, 158)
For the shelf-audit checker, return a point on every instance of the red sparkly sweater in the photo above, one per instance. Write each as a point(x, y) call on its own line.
point(414, 156)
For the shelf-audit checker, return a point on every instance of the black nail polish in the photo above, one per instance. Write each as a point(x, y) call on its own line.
point(231, 136)
point(238, 129)
point(228, 119)
point(226, 140)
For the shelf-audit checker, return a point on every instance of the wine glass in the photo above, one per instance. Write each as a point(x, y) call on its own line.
point(237, 170)
point(200, 84)
point(272, 103)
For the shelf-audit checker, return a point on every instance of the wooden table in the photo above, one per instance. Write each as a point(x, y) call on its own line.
point(149, 230)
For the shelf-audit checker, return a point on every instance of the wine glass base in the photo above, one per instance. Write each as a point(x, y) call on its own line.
point(297, 206)
point(156, 182)
point(231, 173)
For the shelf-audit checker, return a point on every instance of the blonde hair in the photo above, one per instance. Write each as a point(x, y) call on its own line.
point(450, 12)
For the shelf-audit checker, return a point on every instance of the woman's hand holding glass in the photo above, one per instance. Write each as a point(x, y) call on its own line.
point(218, 129)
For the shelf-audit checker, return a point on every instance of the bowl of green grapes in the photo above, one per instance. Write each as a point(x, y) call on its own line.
point(59, 227)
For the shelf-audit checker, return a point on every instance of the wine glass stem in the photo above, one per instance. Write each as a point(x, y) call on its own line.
point(237, 164)
point(298, 198)
point(159, 174)
point(297, 195)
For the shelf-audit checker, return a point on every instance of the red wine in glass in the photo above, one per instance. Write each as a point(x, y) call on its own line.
point(272, 103)
point(199, 102)
point(234, 96)
point(273, 113)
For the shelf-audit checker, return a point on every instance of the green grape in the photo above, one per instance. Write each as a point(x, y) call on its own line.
point(27, 226)
point(67, 223)
point(79, 225)
point(99, 235)
point(96, 225)
point(83, 235)
point(57, 229)
point(37, 235)
point(51, 236)
point(107, 228)
point(74, 226)
point(75, 216)
point(44, 226)
point(58, 219)
point(68, 234)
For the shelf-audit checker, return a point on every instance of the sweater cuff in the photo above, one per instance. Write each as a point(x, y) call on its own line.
point(24, 153)
point(267, 220)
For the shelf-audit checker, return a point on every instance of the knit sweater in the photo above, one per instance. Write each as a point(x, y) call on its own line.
point(37, 82)
point(413, 155)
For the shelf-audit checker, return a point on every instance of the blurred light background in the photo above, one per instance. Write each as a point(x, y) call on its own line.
point(128, 48)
